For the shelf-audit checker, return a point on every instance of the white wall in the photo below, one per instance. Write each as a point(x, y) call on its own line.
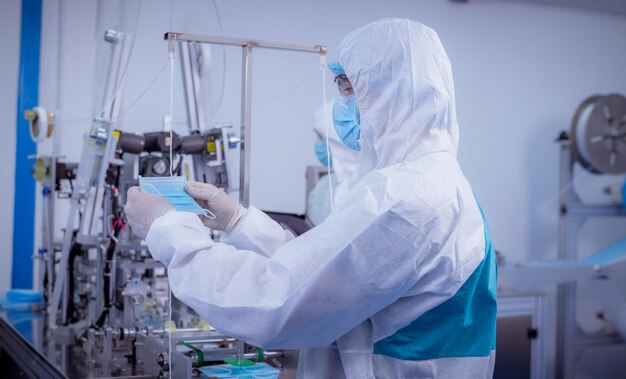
point(10, 14)
point(521, 70)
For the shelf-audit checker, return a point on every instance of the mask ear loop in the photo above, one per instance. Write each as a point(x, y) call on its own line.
point(208, 214)
point(153, 187)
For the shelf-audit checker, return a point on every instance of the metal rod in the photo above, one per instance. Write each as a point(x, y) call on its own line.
point(246, 101)
point(50, 221)
point(566, 293)
point(211, 340)
point(599, 210)
point(589, 341)
point(243, 42)
point(59, 282)
point(181, 330)
point(188, 86)
point(246, 131)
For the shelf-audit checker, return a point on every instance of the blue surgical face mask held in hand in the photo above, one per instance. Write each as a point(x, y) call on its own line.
point(347, 121)
point(172, 188)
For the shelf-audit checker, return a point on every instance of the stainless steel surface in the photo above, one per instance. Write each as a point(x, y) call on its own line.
point(573, 215)
point(189, 55)
point(53, 357)
point(246, 131)
point(152, 358)
point(566, 293)
point(42, 354)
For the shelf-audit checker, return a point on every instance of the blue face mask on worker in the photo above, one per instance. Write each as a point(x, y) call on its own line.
point(321, 150)
point(172, 188)
point(346, 117)
point(347, 121)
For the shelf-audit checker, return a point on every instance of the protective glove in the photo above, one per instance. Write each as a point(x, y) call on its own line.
point(143, 208)
point(347, 121)
point(226, 210)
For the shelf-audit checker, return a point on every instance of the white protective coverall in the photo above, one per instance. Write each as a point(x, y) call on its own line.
point(398, 282)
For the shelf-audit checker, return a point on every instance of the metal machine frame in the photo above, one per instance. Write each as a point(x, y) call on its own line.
point(98, 149)
point(114, 267)
point(246, 88)
point(573, 214)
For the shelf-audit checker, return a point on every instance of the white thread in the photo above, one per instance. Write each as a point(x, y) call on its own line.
point(208, 214)
point(169, 286)
point(330, 182)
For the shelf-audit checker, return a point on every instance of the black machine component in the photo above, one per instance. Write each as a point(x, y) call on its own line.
point(160, 141)
point(131, 143)
point(64, 172)
point(156, 165)
point(194, 144)
point(153, 149)
point(296, 224)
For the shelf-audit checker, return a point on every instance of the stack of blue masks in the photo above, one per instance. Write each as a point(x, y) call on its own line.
point(172, 188)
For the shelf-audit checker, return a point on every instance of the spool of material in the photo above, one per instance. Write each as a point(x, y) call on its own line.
point(599, 134)
point(41, 126)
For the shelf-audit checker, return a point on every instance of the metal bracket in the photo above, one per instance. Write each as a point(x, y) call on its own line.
point(247, 46)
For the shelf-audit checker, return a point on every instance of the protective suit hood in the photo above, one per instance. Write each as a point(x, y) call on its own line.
point(402, 79)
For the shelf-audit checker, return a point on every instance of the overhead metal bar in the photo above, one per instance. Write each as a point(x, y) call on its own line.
point(319, 49)
point(247, 46)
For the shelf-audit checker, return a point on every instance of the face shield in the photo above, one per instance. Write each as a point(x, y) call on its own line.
point(344, 85)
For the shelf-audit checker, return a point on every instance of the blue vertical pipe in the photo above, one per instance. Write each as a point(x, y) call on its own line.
point(27, 98)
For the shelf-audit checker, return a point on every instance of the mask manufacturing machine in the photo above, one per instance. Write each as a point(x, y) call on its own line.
point(105, 300)
point(596, 142)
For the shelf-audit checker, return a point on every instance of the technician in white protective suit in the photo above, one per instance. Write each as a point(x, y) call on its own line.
point(343, 162)
point(399, 281)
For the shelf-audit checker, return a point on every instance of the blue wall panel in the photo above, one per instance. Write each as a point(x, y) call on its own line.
point(28, 93)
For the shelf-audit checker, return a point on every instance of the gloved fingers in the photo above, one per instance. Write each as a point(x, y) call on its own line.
point(143, 208)
point(136, 222)
point(134, 197)
point(201, 191)
point(133, 193)
point(136, 194)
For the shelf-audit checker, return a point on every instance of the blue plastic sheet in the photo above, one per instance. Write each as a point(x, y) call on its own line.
point(22, 300)
point(226, 371)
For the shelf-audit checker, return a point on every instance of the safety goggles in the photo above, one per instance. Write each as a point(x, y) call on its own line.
point(344, 85)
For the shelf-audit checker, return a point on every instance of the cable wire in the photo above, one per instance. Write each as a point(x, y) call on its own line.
point(171, 125)
point(328, 168)
point(120, 84)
